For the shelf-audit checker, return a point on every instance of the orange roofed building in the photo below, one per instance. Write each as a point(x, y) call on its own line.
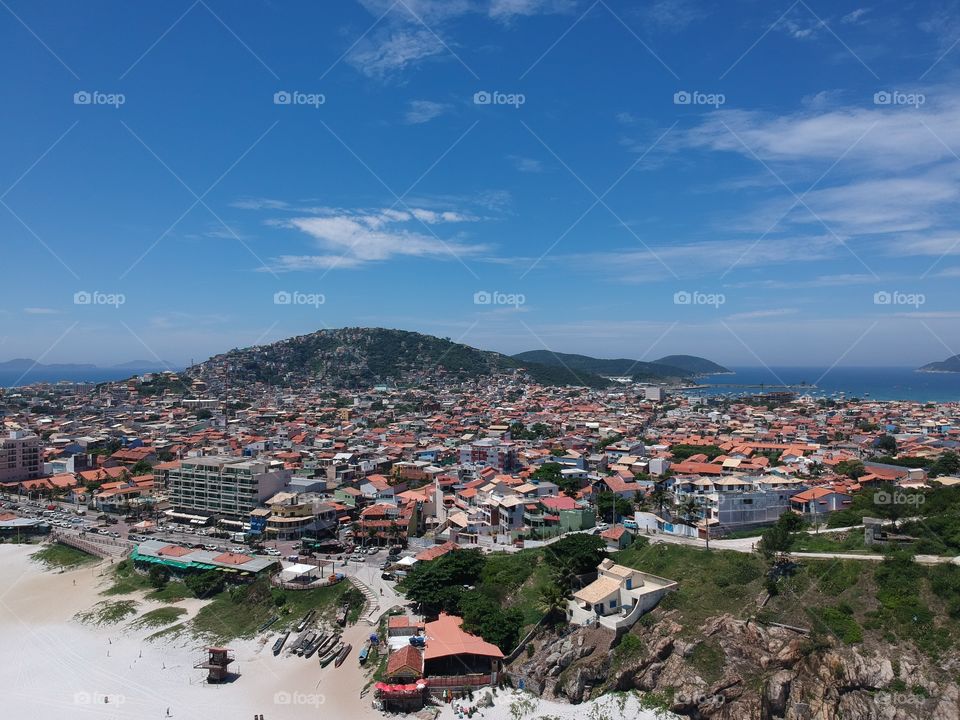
point(455, 658)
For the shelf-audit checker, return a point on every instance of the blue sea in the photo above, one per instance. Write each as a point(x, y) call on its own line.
point(875, 383)
point(12, 378)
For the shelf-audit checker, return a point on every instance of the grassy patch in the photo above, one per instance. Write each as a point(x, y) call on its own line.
point(160, 617)
point(171, 592)
point(708, 660)
point(711, 583)
point(62, 556)
point(108, 612)
point(169, 632)
point(839, 621)
point(239, 611)
point(126, 580)
point(851, 542)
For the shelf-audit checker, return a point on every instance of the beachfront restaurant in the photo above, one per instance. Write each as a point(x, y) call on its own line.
point(454, 660)
point(182, 560)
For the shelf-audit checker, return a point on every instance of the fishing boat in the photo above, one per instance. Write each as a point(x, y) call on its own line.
point(278, 645)
point(268, 623)
point(343, 655)
point(328, 645)
point(364, 651)
point(306, 643)
point(306, 620)
point(342, 615)
point(298, 642)
point(331, 654)
point(312, 647)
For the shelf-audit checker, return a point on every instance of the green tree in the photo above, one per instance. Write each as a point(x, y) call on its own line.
point(142, 468)
point(888, 444)
point(575, 555)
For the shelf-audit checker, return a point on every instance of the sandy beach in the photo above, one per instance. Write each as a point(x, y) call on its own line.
point(56, 667)
point(511, 704)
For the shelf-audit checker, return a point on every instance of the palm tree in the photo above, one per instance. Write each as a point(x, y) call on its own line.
point(552, 601)
point(659, 497)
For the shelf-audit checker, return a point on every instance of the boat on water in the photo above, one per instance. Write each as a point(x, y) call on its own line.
point(332, 653)
point(343, 655)
point(278, 645)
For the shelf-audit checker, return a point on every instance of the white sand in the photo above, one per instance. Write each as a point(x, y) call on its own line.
point(55, 667)
point(512, 704)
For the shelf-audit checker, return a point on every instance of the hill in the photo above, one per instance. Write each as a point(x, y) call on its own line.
point(672, 367)
point(950, 365)
point(362, 357)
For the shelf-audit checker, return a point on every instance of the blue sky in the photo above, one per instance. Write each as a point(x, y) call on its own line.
point(755, 182)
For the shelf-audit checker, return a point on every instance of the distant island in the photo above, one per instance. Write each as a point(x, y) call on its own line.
point(26, 364)
point(950, 365)
point(671, 367)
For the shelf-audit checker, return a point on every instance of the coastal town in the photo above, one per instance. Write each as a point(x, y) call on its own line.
point(391, 506)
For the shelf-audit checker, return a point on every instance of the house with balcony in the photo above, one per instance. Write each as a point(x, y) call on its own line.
point(618, 597)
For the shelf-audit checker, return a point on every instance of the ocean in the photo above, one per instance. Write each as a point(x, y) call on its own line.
point(14, 378)
point(875, 383)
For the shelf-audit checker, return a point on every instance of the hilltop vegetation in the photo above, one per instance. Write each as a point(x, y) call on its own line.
point(672, 367)
point(361, 357)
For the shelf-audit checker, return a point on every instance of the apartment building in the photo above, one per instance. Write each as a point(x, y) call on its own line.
point(490, 452)
point(20, 457)
point(224, 486)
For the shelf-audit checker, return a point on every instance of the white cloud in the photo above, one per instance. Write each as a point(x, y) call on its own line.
point(525, 164)
point(352, 238)
point(673, 15)
point(422, 111)
point(852, 18)
point(393, 51)
point(508, 9)
point(41, 311)
point(762, 314)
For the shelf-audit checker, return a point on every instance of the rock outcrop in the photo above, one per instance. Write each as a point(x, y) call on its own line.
point(736, 669)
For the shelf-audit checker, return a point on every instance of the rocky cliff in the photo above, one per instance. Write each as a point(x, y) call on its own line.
point(735, 669)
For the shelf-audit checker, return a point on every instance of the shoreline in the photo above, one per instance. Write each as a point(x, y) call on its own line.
point(64, 667)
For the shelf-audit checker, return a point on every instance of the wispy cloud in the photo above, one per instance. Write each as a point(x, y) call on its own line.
point(353, 238)
point(40, 311)
point(423, 111)
point(525, 164)
point(761, 314)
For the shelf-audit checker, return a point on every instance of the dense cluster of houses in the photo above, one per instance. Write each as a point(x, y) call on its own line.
point(464, 463)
